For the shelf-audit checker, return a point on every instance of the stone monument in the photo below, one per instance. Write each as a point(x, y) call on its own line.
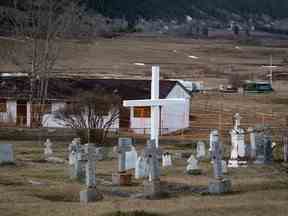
point(90, 194)
point(192, 167)
point(76, 151)
point(218, 184)
point(122, 177)
point(264, 151)
point(201, 151)
point(238, 147)
point(48, 152)
point(166, 159)
point(152, 185)
point(6, 154)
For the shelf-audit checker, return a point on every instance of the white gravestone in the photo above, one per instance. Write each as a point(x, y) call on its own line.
point(252, 143)
point(155, 103)
point(201, 151)
point(48, 152)
point(124, 146)
point(131, 159)
point(140, 170)
point(238, 147)
point(6, 153)
point(166, 159)
point(192, 164)
point(224, 167)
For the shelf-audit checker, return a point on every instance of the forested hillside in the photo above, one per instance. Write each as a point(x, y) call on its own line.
point(131, 9)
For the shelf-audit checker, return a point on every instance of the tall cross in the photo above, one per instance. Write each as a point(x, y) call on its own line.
point(155, 103)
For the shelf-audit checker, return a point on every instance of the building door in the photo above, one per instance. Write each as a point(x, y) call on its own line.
point(124, 121)
point(21, 113)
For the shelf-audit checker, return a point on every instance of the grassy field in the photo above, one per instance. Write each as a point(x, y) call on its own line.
point(32, 187)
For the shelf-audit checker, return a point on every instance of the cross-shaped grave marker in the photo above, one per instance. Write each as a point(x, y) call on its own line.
point(155, 103)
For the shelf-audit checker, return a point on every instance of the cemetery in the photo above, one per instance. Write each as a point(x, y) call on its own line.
point(243, 171)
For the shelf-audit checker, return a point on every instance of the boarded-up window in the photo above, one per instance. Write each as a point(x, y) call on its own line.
point(142, 112)
point(3, 105)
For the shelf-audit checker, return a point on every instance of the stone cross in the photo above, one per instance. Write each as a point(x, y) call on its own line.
point(237, 119)
point(155, 103)
point(124, 145)
point(48, 152)
point(152, 162)
point(90, 166)
point(217, 155)
point(201, 151)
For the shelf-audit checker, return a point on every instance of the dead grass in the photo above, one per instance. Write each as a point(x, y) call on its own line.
point(257, 190)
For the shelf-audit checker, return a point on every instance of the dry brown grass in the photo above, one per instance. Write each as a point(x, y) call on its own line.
point(258, 190)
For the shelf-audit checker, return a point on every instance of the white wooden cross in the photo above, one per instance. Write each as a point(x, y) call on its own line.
point(155, 103)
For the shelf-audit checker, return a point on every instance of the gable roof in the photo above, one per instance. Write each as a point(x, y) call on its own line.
point(64, 88)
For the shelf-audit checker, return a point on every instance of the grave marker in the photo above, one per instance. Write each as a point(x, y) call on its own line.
point(219, 184)
point(6, 154)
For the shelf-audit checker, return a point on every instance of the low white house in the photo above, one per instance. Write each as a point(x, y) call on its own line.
point(15, 109)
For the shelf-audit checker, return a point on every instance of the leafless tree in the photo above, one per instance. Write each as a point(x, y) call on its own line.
point(95, 110)
point(37, 28)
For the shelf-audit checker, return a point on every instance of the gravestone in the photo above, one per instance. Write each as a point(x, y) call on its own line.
point(218, 184)
point(166, 159)
point(224, 167)
point(131, 159)
point(201, 151)
point(90, 194)
point(251, 131)
point(285, 148)
point(264, 151)
point(76, 151)
point(6, 154)
point(192, 167)
point(122, 177)
point(238, 147)
point(152, 185)
point(140, 169)
point(48, 152)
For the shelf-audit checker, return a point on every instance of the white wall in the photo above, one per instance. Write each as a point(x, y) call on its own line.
point(173, 117)
point(10, 115)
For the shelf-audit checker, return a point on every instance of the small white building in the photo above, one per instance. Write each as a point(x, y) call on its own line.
point(16, 111)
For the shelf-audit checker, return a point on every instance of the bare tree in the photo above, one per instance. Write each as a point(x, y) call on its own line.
point(95, 110)
point(37, 28)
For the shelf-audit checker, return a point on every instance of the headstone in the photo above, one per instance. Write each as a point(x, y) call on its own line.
point(264, 151)
point(100, 153)
point(224, 167)
point(252, 143)
point(48, 152)
point(6, 154)
point(219, 184)
point(166, 159)
point(152, 185)
point(201, 151)
point(90, 194)
point(192, 167)
point(76, 163)
point(140, 170)
point(131, 159)
point(238, 147)
point(122, 177)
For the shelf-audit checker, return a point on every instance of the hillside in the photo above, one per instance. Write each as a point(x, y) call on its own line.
point(171, 9)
